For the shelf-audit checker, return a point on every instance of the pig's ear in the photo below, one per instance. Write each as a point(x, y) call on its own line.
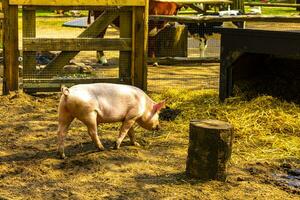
point(157, 107)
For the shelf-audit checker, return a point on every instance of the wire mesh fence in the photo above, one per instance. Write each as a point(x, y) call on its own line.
point(85, 64)
point(173, 42)
point(181, 43)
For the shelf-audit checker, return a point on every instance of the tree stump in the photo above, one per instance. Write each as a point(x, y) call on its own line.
point(210, 143)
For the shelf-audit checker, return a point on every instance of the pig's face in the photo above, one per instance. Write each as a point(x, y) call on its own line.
point(152, 122)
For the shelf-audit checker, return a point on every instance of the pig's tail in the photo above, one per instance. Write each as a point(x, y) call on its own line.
point(65, 90)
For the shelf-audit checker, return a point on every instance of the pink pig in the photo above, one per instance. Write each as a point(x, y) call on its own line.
point(106, 103)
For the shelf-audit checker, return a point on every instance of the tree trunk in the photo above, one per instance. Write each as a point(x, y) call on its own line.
point(210, 143)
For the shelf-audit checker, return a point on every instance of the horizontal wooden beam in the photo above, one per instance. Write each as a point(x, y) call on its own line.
point(183, 60)
point(67, 8)
point(199, 19)
point(197, 1)
point(54, 85)
point(78, 2)
point(76, 44)
point(288, 5)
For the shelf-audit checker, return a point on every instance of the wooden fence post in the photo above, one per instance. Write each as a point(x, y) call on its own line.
point(125, 56)
point(238, 5)
point(10, 47)
point(140, 48)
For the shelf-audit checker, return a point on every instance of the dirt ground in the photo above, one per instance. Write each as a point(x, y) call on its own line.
point(30, 168)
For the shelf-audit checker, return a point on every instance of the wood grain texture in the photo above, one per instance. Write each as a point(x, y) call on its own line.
point(78, 2)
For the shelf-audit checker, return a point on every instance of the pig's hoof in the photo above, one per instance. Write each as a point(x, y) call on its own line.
point(155, 64)
point(101, 148)
point(136, 144)
point(62, 155)
point(117, 146)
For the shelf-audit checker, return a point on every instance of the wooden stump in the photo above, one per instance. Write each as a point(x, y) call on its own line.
point(210, 143)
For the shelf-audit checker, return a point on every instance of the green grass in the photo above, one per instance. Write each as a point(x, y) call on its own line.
point(276, 11)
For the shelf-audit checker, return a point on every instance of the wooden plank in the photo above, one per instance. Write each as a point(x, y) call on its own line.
point(184, 60)
point(125, 31)
point(197, 1)
point(54, 85)
point(199, 19)
point(78, 2)
point(287, 5)
point(92, 31)
point(145, 12)
point(29, 30)
point(238, 5)
point(10, 47)
point(73, 80)
point(133, 45)
point(140, 41)
point(76, 44)
point(67, 8)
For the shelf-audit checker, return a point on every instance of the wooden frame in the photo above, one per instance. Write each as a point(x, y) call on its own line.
point(132, 32)
point(238, 18)
point(10, 47)
point(76, 44)
point(283, 5)
point(237, 42)
point(77, 2)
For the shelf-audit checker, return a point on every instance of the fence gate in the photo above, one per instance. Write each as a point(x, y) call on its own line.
point(131, 44)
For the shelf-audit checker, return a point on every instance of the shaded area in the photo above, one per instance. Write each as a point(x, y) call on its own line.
point(261, 74)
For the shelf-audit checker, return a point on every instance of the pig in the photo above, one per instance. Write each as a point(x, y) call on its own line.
point(98, 103)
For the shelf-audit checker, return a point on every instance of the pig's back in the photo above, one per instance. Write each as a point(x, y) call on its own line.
point(108, 90)
point(113, 101)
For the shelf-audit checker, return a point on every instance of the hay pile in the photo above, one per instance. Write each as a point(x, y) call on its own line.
point(266, 128)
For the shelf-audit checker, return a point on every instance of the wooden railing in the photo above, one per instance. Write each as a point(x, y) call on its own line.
point(131, 44)
point(287, 5)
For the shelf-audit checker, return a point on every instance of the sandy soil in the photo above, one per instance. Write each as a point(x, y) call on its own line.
point(30, 168)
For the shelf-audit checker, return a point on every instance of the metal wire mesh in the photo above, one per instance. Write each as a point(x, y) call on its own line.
point(84, 65)
point(184, 75)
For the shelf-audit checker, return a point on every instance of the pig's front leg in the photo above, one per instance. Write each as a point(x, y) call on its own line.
point(131, 135)
point(126, 126)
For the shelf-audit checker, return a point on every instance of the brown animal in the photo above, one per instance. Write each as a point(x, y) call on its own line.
point(155, 8)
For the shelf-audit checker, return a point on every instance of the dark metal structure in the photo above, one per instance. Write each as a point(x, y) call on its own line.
point(267, 56)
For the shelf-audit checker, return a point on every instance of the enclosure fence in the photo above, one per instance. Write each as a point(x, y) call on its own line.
point(131, 43)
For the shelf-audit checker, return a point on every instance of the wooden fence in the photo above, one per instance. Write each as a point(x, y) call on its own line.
point(131, 44)
point(238, 18)
point(286, 5)
point(1, 21)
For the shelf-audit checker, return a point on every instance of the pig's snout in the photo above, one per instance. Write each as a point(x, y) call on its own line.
point(157, 128)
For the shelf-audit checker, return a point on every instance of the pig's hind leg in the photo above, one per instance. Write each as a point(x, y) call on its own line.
point(126, 126)
point(131, 135)
point(63, 125)
point(91, 122)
